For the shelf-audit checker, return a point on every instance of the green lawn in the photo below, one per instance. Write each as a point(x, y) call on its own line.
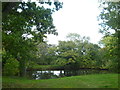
point(84, 81)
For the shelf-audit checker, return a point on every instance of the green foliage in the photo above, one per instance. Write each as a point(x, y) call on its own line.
point(110, 22)
point(46, 54)
point(66, 45)
point(18, 25)
point(111, 53)
point(77, 38)
point(67, 55)
point(70, 56)
point(78, 52)
point(30, 64)
point(11, 67)
point(61, 61)
point(110, 17)
point(52, 54)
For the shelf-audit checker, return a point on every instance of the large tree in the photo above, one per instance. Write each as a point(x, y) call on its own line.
point(18, 26)
point(110, 16)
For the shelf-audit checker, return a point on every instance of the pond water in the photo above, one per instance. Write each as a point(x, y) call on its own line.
point(51, 74)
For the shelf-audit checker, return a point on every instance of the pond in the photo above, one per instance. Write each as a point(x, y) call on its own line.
point(51, 74)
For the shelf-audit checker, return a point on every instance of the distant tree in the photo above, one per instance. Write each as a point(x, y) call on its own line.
point(46, 54)
point(66, 45)
point(42, 49)
point(77, 38)
point(67, 53)
point(52, 54)
point(78, 52)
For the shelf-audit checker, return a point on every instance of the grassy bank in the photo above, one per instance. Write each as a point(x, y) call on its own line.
point(84, 81)
point(45, 67)
point(57, 67)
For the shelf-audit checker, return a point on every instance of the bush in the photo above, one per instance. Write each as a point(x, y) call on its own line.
point(11, 67)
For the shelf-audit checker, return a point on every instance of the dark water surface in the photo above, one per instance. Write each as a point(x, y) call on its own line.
point(51, 74)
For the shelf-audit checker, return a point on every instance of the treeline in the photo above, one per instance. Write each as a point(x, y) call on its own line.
point(77, 52)
point(74, 53)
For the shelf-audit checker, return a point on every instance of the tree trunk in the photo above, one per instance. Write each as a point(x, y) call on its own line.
point(118, 51)
point(22, 68)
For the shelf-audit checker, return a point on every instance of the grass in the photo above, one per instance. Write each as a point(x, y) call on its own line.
point(84, 81)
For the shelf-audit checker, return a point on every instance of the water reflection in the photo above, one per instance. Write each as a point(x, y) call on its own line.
point(61, 73)
point(47, 74)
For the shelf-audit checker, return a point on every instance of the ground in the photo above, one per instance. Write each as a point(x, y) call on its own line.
point(83, 81)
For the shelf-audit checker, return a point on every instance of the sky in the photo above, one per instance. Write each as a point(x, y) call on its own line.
point(79, 17)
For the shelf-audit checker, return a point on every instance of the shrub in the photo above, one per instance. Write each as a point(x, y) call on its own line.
point(11, 67)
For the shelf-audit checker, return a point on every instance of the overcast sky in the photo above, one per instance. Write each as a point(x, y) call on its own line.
point(79, 16)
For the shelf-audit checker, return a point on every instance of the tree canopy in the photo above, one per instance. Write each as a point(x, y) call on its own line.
point(18, 25)
point(110, 15)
